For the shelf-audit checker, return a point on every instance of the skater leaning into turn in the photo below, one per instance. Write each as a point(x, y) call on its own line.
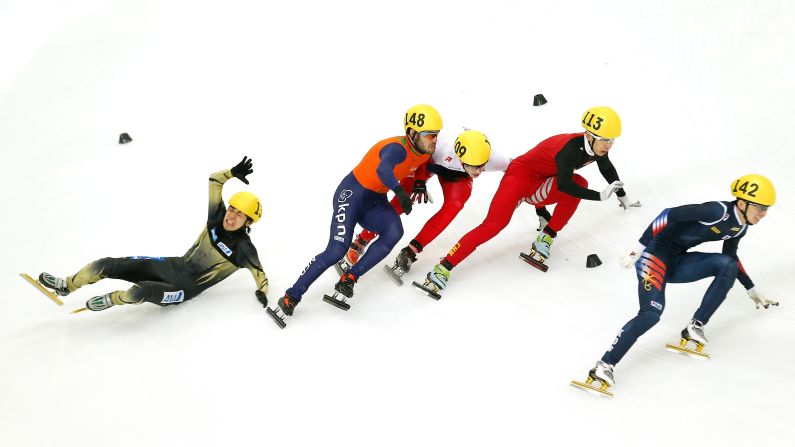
point(662, 257)
point(222, 248)
point(361, 199)
point(544, 176)
point(461, 155)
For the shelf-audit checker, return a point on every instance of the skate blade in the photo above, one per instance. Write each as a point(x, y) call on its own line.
point(430, 292)
point(279, 320)
point(600, 391)
point(335, 302)
point(42, 289)
point(534, 262)
point(77, 311)
point(682, 348)
point(392, 275)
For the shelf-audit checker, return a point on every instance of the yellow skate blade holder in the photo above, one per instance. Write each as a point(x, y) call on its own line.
point(42, 289)
point(697, 353)
point(77, 311)
point(588, 386)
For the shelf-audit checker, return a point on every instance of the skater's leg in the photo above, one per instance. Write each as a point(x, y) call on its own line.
point(347, 205)
point(511, 190)
point(566, 204)
point(386, 222)
point(133, 269)
point(652, 279)
point(456, 193)
point(695, 266)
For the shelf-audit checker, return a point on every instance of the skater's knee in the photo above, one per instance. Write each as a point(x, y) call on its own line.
point(580, 180)
point(103, 267)
point(728, 267)
point(392, 234)
point(646, 319)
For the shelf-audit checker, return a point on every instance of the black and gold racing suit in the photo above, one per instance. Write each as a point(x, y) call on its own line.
point(214, 256)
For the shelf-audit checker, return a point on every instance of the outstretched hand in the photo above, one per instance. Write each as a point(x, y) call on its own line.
point(242, 169)
point(625, 203)
point(262, 298)
point(760, 299)
point(611, 188)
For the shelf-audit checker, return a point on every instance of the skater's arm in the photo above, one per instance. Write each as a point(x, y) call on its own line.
point(609, 173)
point(217, 181)
point(498, 162)
point(390, 156)
point(450, 175)
point(250, 260)
point(565, 162)
point(709, 212)
point(730, 248)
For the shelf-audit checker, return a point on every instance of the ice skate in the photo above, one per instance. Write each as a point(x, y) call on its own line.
point(402, 265)
point(41, 287)
point(694, 331)
point(97, 303)
point(343, 287)
point(601, 373)
point(284, 308)
point(539, 252)
point(435, 281)
point(355, 251)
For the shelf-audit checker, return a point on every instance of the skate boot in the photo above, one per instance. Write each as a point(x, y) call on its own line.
point(540, 252)
point(435, 281)
point(345, 287)
point(355, 251)
point(286, 305)
point(58, 285)
point(99, 303)
point(402, 265)
point(694, 331)
point(602, 373)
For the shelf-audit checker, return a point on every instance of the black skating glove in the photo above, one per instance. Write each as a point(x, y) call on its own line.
point(403, 199)
point(419, 192)
point(242, 169)
point(262, 298)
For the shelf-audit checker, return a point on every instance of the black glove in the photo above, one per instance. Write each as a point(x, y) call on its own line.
point(262, 298)
point(242, 169)
point(419, 193)
point(403, 199)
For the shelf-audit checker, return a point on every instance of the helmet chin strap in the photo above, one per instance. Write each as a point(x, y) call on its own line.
point(745, 213)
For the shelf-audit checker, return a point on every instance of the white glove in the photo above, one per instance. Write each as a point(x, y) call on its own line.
point(607, 192)
point(630, 259)
point(626, 203)
point(760, 299)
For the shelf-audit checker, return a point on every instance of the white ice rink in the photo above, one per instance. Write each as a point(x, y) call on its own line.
point(705, 89)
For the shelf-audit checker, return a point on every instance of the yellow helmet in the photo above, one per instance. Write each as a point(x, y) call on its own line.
point(472, 148)
point(248, 203)
point(754, 188)
point(422, 117)
point(602, 122)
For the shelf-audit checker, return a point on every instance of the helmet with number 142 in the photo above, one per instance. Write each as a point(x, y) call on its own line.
point(754, 188)
point(248, 204)
point(602, 121)
point(472, 148)
point(422, 118)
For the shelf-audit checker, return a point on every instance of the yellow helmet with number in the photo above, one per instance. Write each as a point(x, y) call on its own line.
point(472, 148)
point(421, 118)
point(754, 188)
point(602, 121)
point(247, 203)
